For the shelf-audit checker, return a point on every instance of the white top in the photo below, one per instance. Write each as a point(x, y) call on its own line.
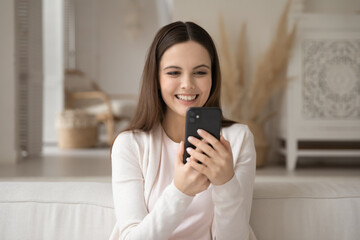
point(135, 165)
point(199, 214)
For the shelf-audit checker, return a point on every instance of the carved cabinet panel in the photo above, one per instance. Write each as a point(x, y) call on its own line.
point(331, 79)
point(322, 101)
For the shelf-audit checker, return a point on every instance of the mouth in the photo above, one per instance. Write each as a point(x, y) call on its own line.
point(187, 98)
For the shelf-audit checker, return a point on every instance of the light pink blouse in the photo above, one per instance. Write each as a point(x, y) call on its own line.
point(198, 217)
point(136, 164)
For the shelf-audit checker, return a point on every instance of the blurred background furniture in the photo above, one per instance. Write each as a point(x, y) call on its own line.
point(83, 93)
point(76, 129)
point(321, 112)
point(310, 210)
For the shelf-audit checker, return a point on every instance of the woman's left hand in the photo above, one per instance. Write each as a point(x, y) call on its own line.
point(217, 162)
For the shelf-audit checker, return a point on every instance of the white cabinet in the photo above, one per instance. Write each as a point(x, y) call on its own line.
point(322, 101)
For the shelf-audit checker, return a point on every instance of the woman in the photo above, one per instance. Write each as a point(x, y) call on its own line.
point(156, 195)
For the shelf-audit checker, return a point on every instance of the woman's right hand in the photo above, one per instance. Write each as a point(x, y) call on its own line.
point(186, 178)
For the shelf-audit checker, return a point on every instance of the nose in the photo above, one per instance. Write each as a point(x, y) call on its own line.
point(187, 82)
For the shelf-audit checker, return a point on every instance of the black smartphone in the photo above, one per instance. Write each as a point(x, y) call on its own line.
point(206, 118)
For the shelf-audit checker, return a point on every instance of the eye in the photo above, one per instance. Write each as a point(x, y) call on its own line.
point(200, 73)
point(173, 73)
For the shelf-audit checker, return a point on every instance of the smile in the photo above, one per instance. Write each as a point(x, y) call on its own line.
point(187, 97)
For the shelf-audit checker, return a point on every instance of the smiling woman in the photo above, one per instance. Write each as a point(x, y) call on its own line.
point(151, 108)
point(185, 80)
point(156, 195)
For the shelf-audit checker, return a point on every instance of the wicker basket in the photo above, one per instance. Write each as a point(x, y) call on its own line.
point(76, 129)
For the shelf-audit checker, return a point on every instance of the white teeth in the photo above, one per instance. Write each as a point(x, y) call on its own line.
point(186, 97)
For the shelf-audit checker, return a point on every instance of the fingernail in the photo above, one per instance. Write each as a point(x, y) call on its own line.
point(189, 149)
point(187, 159)
point(200, 131)
point(190, 138)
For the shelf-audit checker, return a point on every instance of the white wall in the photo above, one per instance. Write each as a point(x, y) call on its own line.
point(53, 66)
point(104, 51)
point(87, 36)
point(332, 6)
point(7, 83)
point(260, 16)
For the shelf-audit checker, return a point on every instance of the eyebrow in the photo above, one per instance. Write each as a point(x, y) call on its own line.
point(199, 66)
point(172, 67)
point(202, 65)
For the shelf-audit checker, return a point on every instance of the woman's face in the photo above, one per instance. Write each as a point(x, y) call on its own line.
point(185, 77)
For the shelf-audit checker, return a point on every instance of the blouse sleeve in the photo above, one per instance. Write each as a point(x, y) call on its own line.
point(232, 200)
point(133, 219)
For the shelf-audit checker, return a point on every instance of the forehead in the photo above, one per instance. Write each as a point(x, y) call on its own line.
point(186, 53)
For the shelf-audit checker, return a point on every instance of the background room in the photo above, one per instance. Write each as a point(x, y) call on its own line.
point(71, 71)
point(98, 49)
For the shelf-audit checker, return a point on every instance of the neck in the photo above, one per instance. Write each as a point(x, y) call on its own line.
point(174, 127)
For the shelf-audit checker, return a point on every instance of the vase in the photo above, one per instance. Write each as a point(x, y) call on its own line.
point(261, 144)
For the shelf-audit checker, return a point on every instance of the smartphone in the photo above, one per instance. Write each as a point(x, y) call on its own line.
point(206, 118)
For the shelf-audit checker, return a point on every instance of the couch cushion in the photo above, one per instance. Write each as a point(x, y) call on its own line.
point(56, 210)
point(306, 209)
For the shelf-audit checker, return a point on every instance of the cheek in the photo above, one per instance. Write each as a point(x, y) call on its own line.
point(205, 86)
point(167, 87)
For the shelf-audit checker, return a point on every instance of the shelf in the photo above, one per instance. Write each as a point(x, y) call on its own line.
point(325, 153)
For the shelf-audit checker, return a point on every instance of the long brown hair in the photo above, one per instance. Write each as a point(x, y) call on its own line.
point(151, 107)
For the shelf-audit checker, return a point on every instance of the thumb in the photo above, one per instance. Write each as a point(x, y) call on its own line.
point(180, 154)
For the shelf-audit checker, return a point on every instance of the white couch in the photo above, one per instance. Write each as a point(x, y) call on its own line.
point(84, 210)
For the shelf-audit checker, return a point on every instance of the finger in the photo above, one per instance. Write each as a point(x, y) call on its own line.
point(197, 156)
point(201, 168)
point(216, 144)
point(197, 149)
point(193, 159)
point(202, 146)
point(194, 147)
point(180, 154)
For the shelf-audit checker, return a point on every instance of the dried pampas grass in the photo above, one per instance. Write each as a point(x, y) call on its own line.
point(269, 77)
point(232, 71)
